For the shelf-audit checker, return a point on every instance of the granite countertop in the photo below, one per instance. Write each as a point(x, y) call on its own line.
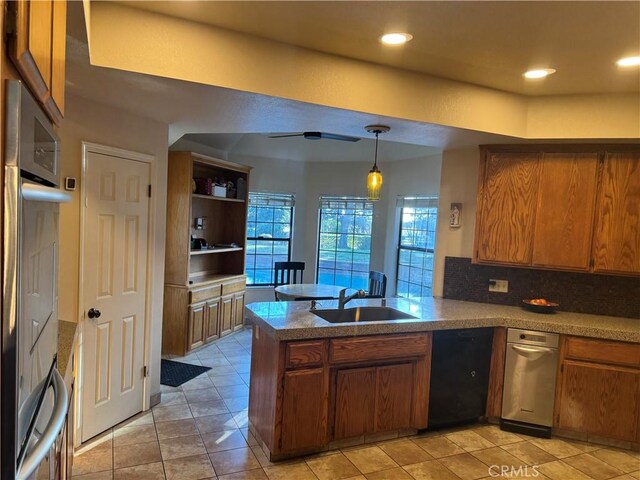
point(66, 340)
point(293, 321)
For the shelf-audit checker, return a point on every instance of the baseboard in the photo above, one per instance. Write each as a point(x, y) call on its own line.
point(155, 399)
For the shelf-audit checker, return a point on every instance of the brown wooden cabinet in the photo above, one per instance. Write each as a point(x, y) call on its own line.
point(598, 388)
point(394, 393)
point(211, 275)
point(355, 402)
point(570, 207)
point(196, 325)
point(617, 235)
point(304, 410)
point(37, 47)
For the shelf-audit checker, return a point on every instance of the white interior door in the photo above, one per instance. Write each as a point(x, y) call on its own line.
point(114, 281)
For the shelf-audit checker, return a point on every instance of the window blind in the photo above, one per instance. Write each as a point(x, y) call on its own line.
point(345, 203)
point(263, 199)
point(417, 202)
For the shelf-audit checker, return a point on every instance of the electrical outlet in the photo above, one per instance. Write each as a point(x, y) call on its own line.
point(501, 286)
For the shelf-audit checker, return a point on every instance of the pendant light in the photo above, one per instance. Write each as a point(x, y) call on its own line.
point(374, 179)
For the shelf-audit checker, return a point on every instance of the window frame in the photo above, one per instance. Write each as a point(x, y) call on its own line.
point(291, 198)
point(401, 205)
point(367, 204)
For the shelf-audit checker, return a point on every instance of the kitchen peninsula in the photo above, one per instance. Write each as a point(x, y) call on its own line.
point(317, 385)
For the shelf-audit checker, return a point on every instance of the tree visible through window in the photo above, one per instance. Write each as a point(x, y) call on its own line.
point(416, 246)
point(269, 231)
point(344, 244)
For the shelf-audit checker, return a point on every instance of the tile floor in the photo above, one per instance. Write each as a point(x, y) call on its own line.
point(199, 431)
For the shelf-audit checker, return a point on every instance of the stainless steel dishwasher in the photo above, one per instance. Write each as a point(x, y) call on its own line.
point(529, 382)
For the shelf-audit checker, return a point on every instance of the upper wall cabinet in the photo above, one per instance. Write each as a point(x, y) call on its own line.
point(560, 207)
point(37, 47)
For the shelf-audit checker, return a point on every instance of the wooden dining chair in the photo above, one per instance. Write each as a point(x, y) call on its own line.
point(377, 285)
point(285, 273)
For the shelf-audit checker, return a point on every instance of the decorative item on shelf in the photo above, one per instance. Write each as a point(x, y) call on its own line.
point(540, 305)
point(231, 191)
point(219, 191)
point(198, 243)
point(374, 179)
point(200, 223)
point(203, 185)
point(241, 189)
point(226, 245)
point(455, 215)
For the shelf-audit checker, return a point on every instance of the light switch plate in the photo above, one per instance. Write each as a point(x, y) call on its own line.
point(501, 286)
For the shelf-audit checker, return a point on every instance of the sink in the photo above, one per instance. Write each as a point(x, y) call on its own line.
point(361, 314)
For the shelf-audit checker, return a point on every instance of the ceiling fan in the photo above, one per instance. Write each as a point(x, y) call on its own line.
point(318, 136)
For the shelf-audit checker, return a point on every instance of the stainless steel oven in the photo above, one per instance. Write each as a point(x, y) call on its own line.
point(34, 397)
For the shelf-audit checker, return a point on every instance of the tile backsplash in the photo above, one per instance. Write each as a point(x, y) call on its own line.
point(575, 292)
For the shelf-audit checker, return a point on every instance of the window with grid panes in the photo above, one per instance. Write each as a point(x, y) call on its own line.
point(416, 245)
point(344, 241)
point(269, 231)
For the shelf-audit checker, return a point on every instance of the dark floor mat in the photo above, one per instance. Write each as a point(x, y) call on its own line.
point(175, 374)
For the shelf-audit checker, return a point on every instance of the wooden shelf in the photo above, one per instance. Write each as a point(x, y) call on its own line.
point(220, 199)
point(216, 250)
point(205, 279)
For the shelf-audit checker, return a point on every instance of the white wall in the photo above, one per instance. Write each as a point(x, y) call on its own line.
point(89, 121)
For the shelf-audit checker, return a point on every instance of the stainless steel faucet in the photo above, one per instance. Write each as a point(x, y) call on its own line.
point(343, 299)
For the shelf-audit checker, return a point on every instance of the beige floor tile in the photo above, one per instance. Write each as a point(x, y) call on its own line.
point(216, 361)
point(593, 467)
point(619, 459)
point(216, 423)
point(149, 471)
point(173, 412)
point(297, 471)
point(241, 418)
point(227, 380)
point(182, 447)
point(173, 398)
point(107, 475)
point(624, 477)
point(332, 467)
point(437, 447)
point(221, 370)
point(560, 470)
point(242, 367)
point(247, 475)
point(176, 428)
point(392, 474)
point(497, 456)
point(237, 404)
point(231, 461)
point(189, 468)
point(529, 453)
point(556, 447)
point(497, 436)
point(212, 407)
point(198, 383)
point(584, 447)
point(225, 440)
point(405, 452)
point(97, 459)
point(233, 391)
point(202, 395)
point(136, 454)
point(370, 459)
point(143, 418)
point(635, 474)
point(431, 470)
point(469, 440)
point(466, 466)
point(139, 434)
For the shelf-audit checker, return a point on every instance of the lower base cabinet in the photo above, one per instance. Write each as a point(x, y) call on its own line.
point(598, 390)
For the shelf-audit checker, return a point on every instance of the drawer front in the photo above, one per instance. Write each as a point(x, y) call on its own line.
point(203, 294)
point(348, 350)
point(305, 354)
point(233, 287)
point(603, 351)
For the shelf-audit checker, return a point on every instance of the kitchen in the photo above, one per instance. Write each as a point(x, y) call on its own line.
point(454, 170)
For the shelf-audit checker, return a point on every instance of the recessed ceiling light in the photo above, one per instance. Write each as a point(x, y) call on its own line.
point(539, 73)
point(629, 62)
point(395, 38)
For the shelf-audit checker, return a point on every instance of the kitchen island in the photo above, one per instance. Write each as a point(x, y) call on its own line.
point(317, 385)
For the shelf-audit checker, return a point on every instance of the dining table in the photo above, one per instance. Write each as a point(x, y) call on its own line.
point(307, 291)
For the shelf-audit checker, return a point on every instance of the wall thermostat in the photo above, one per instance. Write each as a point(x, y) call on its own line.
point(69, 183)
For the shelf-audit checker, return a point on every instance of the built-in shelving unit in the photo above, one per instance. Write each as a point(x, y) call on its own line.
point(219, 199)
point(216, 250)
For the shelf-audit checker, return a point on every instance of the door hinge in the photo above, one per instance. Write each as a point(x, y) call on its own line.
point(145, 371)
point(149, 191)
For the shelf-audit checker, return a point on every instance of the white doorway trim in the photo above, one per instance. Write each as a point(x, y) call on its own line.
point(87, 148)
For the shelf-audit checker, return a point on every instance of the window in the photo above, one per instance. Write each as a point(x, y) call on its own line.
point(344, 243)
point(269, 229)
point(416, 244)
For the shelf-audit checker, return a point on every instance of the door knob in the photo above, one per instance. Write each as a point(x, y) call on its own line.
point(93, 313)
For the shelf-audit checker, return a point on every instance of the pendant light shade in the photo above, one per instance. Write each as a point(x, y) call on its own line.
point(374, 179)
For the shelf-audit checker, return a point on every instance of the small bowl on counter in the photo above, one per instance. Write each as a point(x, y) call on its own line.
point(539, 305)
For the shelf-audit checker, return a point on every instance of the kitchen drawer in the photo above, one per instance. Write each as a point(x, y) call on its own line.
point(349, 350)
point(603, 351)
point(205, 293)
point(305, 354)
point(233, 287)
